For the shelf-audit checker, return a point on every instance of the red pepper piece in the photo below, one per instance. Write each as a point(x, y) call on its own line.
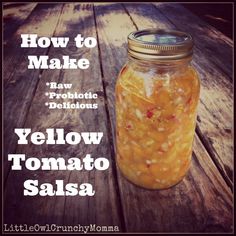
point(189, 101)
point(128, 126)
point(171, 117)
point(149, 114)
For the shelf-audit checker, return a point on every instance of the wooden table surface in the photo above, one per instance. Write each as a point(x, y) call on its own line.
point(202, 202)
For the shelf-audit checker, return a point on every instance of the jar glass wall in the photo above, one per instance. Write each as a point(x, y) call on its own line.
point(156, 107)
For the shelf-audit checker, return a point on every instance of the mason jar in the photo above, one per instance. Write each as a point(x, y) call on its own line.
point(157, 94)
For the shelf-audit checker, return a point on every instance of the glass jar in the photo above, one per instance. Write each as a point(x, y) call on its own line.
point(157, 93)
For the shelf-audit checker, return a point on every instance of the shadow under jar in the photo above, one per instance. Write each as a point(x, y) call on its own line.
point(157, 94)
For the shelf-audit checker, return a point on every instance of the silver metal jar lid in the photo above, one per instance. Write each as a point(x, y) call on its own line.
point(161, 45)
